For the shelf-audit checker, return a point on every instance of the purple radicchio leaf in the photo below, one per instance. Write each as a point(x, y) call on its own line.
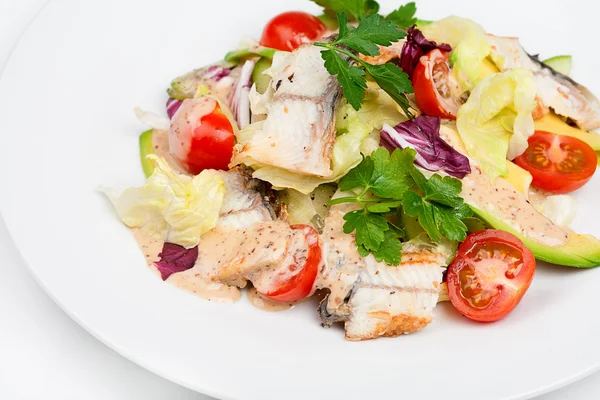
point(415, 47)
point(240, 97)
point(422, 134)
point(172, 106)
point(175, 258)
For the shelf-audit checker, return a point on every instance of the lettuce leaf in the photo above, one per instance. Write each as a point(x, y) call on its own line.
point(467, 38)
point(560, 209)
point(355, 137)
point(496, 120)
point(175, 208)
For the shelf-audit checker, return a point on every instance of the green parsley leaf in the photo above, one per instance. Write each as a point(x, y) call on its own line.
point(343, 25)
point(352, 79)
point(474, 224)
point(415, 206)
point(390, 250)
point(373, 30)
point(359, 176)
point(355, 9)
point(391, 173)
point(464, 211)
point(394, 82)
point(444, 191)
point(362, 251)
point(383, 208)
point(448, 224)
point(404, 17)
point(370, 228)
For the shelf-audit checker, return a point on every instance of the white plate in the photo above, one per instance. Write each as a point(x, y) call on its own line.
point(67, 127)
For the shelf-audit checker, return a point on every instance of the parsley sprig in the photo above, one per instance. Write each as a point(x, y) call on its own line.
point(388, 184)
point(373, 31)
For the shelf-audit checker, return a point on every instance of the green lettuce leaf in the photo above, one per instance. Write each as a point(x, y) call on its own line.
point(496, 120)
point(171, 207)
point(470, 48)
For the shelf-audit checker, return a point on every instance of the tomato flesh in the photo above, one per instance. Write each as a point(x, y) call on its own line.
point(289, 30)
point(558, 164)
point(490, 274)
point(431, 81)
point(300, 285)
point(212, 143)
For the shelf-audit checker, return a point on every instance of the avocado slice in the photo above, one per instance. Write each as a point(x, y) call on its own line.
point(560, 64)
point(146, 148)
point(260, 79)
point(582, 251)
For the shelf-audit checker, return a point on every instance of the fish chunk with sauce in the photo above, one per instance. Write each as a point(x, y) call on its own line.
point(299, 131)
point(372, 298)
point(555, 90)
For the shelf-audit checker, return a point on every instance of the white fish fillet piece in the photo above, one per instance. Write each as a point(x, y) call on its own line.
point(372, 298)
point(565, 96)
point(243, 205)
point(299, 131)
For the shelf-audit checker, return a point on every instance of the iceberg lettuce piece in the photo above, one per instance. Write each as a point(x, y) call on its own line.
point(171, 207)
point(496, 120)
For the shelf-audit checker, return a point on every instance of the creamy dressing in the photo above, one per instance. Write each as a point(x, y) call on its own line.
point(190, 280)
point(266, 304)
point(265, 253)
point(503, 201)
point(160, 144)
point(508, 204)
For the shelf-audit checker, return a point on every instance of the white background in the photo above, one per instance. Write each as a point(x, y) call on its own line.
point(44, 354)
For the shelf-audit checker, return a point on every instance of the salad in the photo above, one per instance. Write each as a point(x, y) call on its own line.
point(377, 163)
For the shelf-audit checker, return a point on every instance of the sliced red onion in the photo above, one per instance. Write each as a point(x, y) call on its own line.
point(216, 72)
point(240, 100)
point(422, 134)
point(172, 106)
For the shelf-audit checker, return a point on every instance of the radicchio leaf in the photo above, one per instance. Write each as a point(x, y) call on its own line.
point(422, 134)
point(415, 47)
point(172, 106)
point(175, 258)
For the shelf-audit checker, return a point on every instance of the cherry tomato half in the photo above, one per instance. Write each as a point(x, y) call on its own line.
point(289, 30)
point(558, 164)
point(201, 136)
point(490, 274)
point(300, 284)
point(431, 80)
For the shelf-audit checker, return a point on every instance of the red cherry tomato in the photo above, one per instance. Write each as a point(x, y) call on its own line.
point(490, 274)
point(557, 163)
point(300, 285)
point(431, 81)
point(201, 136)
point(289, 30)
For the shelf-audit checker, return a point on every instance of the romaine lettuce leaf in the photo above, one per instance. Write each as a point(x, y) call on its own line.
point(496, 120)
point(175, 208)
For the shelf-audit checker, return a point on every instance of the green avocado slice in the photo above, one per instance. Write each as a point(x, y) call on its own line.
point(146, 148)
point(582, 251)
